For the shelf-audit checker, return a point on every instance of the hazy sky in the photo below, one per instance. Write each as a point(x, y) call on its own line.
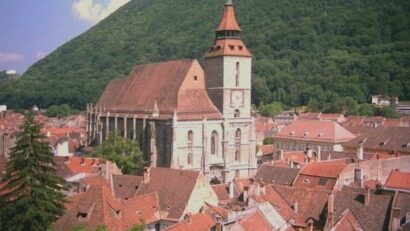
point(31, 29)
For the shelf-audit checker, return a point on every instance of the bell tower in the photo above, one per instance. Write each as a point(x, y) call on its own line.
point(228, 68)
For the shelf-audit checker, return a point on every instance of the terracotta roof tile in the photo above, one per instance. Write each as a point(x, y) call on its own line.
point(228, 47)
point(142, 208)
point(228, 21)
point(330, 169)
point(283, 207)
point(255, 221)
point(126, 186)
point(398, 180)
point(268, 149)
point(278, 175)
point(169, 85)
point(315, 130)
point(372, 217)
point(197, 222)
point(174, 188)
point(347, 222)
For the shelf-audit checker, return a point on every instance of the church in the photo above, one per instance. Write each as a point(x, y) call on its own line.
point(186, 116)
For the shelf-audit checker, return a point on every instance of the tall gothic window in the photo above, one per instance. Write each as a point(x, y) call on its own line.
point(214, 143)
point(190, 147)
point(236, 114)
point(238, 145)
point(237, 74)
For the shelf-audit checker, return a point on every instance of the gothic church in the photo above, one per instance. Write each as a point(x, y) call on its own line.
point(185, 116)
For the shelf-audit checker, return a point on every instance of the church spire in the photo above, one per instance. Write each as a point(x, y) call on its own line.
point(228, 25)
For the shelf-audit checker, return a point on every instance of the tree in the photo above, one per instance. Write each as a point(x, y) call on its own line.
point(387, 112)
point(60, 110)
point(124, 152)
point(271, 109)
point(32, 197)
point(366, 110)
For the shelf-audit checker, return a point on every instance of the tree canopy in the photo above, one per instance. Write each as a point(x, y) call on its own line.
point(326, 53)
point(32, 197)
point(124, 152)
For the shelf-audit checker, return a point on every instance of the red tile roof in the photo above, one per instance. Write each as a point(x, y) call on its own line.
point(255, 221)
point(398, 180)
point(278, 175)
point(197, 222)
point(126, 186)
point(228, 21)
point(315, 130)
point(347, 222)
point(170, 85)
point(268, 149)
point(174, 188)
point(330, 169)
point(283, 207)
point(142, 208)
point(226, 47)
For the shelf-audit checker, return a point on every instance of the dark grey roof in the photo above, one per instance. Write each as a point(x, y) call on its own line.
point(278, 175)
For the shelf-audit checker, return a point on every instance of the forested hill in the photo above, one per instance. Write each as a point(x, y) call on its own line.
point(315, 52)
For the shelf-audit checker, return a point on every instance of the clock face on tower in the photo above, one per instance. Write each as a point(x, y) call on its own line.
point(237, 99)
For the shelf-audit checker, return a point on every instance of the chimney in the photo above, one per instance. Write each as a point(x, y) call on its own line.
point(291, 164)
point(319, 153)
point(296, 207)
point(395, 219)
point(358, 177)
point(281, 155)
point(231, 190)
point(360, 152)
point(146, 175)
point(48, 133)
point(330, 208)
point(367, 196)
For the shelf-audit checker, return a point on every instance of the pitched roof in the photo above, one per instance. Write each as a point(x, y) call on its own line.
point(125, 186)
point(402, 201)
point(68, 166)
point(347, 222)
point(371, 217)
point(228, 47)
point(174, 188)
point(228, 21)
point(267, 149)
point(197, 222)
point(172, 86)
point(278, 175)
point(283, 207)
point(315, 130)
point(93, 208)
point(142, 208)
point(398, 180)
point(383, 138)
point(310, 203)
point(330, 169)
point(255, 221)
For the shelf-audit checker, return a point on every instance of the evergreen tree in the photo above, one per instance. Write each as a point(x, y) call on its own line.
point(31, 198)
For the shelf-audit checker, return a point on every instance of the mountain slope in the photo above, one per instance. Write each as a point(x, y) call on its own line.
point(303, 50)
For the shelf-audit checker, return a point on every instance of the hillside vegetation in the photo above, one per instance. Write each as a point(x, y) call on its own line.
point(328, 54)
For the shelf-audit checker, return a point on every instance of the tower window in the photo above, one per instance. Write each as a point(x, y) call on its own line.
point(190, 147)
point(238, 145)
point(236, 113)
point(214, 143)
point(195, 77)
point(237, 74)
point(232, 47)
point(189, 159)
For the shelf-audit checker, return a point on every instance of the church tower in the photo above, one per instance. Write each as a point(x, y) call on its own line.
point(228, 68)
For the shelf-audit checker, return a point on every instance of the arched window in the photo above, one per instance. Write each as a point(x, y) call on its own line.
point(189, 159)
point(237, 74)
point(238, 145)
point(190, 137)
point(214, 143)
point(236, 114)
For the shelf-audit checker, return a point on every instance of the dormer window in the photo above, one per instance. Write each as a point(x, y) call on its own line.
point(240, 48)
point(81, 215)
point(292, 133)
point(320, 134)
point(305, 134)
point(232, 47)
point(195, 77)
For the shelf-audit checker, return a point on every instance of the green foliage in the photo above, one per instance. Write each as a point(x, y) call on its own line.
point(61, 110)
point(124, 152)
point(366, 110)
point(139, 227)
point(82, 227)
point(303, 50)
point(32, 197)
point(387, 112)
point(268, 140)
point(271, 109)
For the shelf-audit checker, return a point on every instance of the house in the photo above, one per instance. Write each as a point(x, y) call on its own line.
point(389, 140)
point(321, 175)
point(383, 101)
point(265, 153)
point(184, 115)
point(400, 212)
point(312, 134)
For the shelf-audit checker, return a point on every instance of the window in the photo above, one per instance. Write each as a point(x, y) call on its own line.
point(237, 74)
point(195, 77)
point(189, 159)
point(236, 113)
point(190, 137)
point(322, 181)
point(214, 143)
point(238, 145)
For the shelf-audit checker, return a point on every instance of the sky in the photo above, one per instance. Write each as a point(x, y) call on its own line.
point(31, 29)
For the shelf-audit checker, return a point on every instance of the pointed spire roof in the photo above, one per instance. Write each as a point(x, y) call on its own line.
point(228, 22)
